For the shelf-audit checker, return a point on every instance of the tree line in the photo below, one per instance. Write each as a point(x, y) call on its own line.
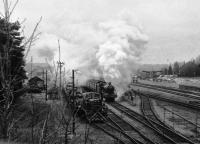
point(184, 69)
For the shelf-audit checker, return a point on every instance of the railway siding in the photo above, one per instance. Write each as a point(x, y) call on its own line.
point(164, 96)
point(186, 124)
point(178, 92)
point(157, 123)
point(141, 123)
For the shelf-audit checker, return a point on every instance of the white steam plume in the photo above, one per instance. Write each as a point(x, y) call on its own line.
point(118, 55)
point(110, 48)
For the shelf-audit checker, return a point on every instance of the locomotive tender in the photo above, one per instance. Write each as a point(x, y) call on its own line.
point(87, 105)
point(91, 106)
point(106, 90)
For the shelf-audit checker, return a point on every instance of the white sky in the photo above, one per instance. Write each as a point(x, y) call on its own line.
point(173, 26)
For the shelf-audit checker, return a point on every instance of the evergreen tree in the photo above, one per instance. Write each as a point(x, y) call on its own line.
point(189, 69)
point(12, 73)
point(170, 72)
point(176, 68)
point(11, 58)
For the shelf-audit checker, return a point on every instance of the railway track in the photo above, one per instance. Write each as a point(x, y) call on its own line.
point(175, 91)
point(105, 129)
point(129, 128)
point(112, 127)
point(160, 136)
point(153, 120)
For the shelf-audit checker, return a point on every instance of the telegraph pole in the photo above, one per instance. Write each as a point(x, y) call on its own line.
point(60, 64)
point(46, 87)
point(32, 103)
point(73, 97)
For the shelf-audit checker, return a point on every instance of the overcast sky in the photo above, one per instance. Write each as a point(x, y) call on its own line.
point(172, 26)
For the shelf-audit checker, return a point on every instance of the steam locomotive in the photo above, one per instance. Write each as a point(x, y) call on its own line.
point(106, 90)
point(88, 105)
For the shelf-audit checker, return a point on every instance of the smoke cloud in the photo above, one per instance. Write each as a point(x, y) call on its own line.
point(118, 55)
point(109, 49)
point(46, 52)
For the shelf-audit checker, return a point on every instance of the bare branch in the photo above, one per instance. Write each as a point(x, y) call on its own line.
point(23, 21)
point(6, 10)
point(44, 130)
point(13, 8)
point(9, 5)
point(32, 37)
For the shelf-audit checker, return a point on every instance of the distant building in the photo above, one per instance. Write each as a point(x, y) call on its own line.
point(36, 82)
point(152, 74)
